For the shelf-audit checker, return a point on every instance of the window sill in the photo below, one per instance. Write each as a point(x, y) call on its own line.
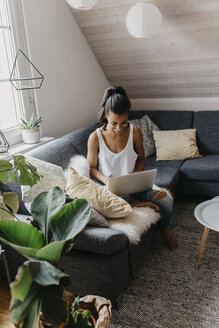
point(22, 147)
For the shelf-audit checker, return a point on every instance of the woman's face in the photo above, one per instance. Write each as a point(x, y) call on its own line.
point(117, 123)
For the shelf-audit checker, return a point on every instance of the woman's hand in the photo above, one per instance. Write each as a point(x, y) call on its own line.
point(153, 206)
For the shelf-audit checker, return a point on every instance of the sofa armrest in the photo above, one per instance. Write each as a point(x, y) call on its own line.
point(101, 240)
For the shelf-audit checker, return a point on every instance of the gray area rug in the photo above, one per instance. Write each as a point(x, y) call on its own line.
point(168, 292)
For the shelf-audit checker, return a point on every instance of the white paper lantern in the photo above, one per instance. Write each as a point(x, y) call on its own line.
point(143, 20)
point(81, 4)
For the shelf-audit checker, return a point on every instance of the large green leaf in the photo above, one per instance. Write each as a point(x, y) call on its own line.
point(21, 236)
point(27, 312)
point(32, 317)
point(54, 308)
point(44, 206)
point(45, 274)
point(28, 173)
point(5, 214)
point(70, 220)
point(51, 252)
point(5, 167)
point(26, 178)
point(46, 287)
point(28, 252)
point(13, 176)
point(20, 287)
point(8, 203)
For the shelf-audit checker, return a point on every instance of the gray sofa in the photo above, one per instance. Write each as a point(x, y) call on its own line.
point(103, 261)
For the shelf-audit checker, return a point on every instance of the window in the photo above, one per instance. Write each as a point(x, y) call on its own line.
point(13, 103)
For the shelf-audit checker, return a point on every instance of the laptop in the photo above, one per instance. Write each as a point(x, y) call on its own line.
point(132, 183)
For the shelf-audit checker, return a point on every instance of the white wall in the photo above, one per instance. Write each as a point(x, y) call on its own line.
point(74, 82)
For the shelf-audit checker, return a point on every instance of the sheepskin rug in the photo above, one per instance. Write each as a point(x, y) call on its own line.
point(80, 164)
point(135, 223)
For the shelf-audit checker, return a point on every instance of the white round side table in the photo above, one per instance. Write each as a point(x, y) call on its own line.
point(207, 213)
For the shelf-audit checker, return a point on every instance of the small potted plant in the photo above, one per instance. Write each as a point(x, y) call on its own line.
point(30, 129)
point(81, 318)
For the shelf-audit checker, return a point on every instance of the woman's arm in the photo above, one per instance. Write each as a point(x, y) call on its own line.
point(139, 149)
point(92, 156)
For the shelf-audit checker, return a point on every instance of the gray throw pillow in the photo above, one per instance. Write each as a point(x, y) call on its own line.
point(147, 126)
point(98, 219)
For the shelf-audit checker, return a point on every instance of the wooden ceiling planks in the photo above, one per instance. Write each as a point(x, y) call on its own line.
point(182, 60)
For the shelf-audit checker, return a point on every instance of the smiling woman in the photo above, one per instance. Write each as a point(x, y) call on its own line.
point(117, 148)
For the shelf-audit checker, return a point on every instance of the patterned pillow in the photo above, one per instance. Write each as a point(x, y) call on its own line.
point(97, 219)
point(147, 126)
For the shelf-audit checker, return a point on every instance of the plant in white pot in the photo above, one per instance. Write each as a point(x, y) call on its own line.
point(30, 129)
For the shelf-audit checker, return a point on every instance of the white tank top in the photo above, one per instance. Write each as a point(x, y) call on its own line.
point(116, 164)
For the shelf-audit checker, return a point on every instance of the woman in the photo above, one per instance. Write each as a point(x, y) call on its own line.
point(118, 146)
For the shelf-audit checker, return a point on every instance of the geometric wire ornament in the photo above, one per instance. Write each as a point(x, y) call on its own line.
point(31, 77)
point(4, 145)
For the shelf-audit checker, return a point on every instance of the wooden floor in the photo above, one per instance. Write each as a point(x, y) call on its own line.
point(4, 305)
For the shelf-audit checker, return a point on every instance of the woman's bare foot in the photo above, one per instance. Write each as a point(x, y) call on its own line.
point(159, 194)
point(170, 239)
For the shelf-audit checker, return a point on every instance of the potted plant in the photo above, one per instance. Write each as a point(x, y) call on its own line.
point(30, 129)
point(39, 284)
point(81, 317)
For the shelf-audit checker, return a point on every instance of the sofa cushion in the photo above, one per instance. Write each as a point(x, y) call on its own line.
point(168, 172)
point(176, 144)
point(199, 188)
point(202, 169)
point(207, 125)
point(167, 177)
point(152, 163)
point(101, 240)
point(168, 119)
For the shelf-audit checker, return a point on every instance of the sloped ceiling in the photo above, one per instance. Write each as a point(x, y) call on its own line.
point(181, 60)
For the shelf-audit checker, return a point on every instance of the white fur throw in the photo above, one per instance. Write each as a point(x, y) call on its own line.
point(80, 164)
point(136, 223)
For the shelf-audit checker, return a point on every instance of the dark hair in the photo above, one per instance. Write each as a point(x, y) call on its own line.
point(114, 100)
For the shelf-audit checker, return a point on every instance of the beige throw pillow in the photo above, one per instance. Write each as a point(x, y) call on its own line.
point(176, 144)
point(101, 199)
point(53, 176)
